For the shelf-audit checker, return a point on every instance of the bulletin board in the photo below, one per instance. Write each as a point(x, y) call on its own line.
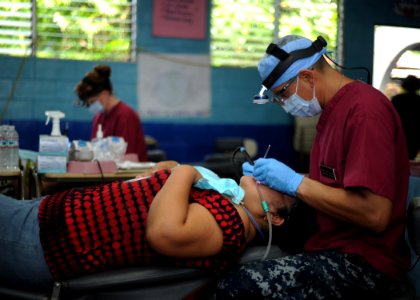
point(173, 85)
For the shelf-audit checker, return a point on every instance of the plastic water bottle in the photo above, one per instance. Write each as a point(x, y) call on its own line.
point(12, 149)
point(3, 148)
point(14, 156)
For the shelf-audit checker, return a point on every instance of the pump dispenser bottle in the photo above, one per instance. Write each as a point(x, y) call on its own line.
point(53, 148)
point(99, 132)
point(55, 115)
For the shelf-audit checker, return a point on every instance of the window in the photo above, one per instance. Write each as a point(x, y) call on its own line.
point(69, 29)
point(242, 29)
point(15, 27)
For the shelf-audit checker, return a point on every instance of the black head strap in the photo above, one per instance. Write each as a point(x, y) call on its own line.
point(287, 59)
point(277, 52)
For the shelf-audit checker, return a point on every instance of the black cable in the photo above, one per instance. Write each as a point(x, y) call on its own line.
point(100, 169)
point(13, 89)
point(234, 164)
point(369, 77)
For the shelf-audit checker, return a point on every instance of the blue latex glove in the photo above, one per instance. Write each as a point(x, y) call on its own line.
point(247, 169)
point(277, 175)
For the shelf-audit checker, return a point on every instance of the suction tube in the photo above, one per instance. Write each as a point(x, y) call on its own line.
point(270, 237)
point(270, 228)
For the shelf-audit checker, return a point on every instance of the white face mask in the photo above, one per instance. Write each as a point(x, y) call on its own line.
point(96, 107)
point(299, 107)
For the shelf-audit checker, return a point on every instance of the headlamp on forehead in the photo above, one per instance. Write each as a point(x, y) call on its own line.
point(261, 98)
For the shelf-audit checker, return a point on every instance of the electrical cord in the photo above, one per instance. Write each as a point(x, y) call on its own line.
point(237, 162)
point(368, 75)
point(100, 170)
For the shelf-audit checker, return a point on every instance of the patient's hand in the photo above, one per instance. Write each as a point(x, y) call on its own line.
point(167, 164)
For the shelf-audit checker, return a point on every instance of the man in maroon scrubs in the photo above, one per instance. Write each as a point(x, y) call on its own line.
point(357, 185)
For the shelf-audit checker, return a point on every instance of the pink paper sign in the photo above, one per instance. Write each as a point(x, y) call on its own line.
point(180, 18)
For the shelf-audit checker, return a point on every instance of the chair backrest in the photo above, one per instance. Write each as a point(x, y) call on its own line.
point(229, 144)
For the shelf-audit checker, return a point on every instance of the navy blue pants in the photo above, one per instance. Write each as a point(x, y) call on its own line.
point(321, 275)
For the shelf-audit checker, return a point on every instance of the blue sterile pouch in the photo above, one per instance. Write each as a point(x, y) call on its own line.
point(225, 186)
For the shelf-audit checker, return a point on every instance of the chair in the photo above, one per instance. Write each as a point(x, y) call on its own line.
point(144, 283)
point(154, 154)
point(12, 182)
point(155, 282)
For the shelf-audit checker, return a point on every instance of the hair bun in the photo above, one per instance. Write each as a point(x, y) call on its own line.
point(104, 71)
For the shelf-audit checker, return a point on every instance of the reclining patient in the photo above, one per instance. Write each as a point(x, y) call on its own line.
point(159, 219)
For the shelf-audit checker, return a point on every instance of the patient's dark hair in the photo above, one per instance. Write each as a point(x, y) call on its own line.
point(300, 224)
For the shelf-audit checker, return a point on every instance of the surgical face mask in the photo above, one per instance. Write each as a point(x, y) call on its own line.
point(299, 107)
point(225, 186)
point(96, 107)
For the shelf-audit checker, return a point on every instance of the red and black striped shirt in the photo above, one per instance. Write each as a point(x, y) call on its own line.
point(87, 230)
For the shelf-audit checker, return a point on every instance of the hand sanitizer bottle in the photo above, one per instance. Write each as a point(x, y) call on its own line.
point(100, 145)
point(99, 133)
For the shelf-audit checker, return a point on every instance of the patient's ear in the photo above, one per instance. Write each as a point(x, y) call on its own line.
point(276, 220)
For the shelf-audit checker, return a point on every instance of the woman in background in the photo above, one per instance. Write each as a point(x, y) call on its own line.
point(116, 118)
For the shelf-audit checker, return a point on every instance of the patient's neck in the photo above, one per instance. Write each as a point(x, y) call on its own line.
point(250, 230)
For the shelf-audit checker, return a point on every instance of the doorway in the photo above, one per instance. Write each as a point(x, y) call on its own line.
point(396, 55)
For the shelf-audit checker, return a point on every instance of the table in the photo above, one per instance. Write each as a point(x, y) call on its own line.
point(18, 176)
point(52, 182)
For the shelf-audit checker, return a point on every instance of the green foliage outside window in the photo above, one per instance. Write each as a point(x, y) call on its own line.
point(68, 29)
point(310, 18)
point(242, 29)
point(103, 29)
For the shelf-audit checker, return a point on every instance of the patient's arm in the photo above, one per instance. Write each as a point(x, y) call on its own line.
point(167, 164)
point(177, 228)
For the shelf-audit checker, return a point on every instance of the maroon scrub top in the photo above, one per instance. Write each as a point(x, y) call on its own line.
point(360, 143)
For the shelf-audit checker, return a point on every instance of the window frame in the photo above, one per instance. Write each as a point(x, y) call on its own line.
point(24, 41)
